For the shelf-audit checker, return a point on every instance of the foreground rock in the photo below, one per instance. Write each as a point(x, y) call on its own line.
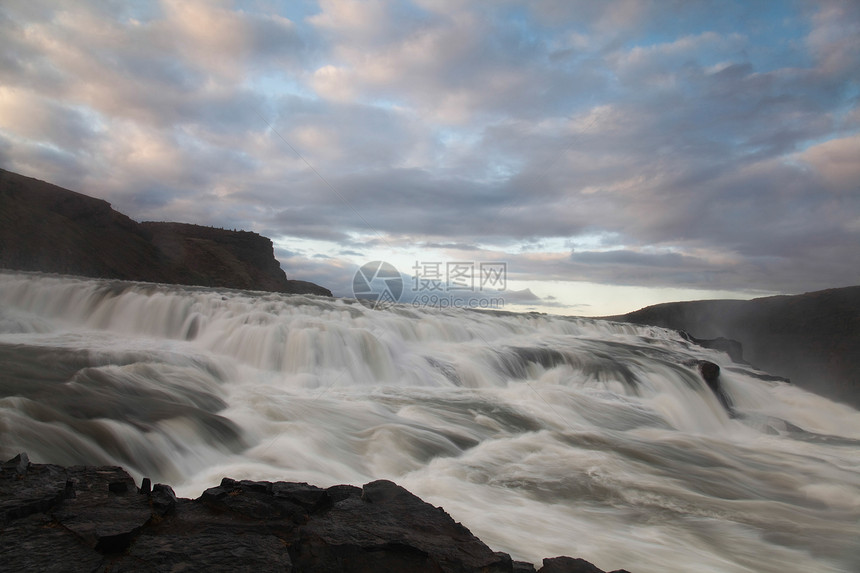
point(50, 229)
point(54, 518)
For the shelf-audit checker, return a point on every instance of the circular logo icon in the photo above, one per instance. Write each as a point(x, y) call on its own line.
point(378, 281)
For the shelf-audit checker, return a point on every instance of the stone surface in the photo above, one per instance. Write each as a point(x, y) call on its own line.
point(571, 565)
point(711, 375)
point(102, 517)
point(567, 565)
point(389, 528)
point(26, 489)
point(522, 567)
point(95, 519)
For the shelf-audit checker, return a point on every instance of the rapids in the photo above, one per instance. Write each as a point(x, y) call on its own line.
point(544, 435)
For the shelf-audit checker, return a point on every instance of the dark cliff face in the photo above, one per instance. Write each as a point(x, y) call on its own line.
point(813, 338)
point(220, 258)
point(47, 228)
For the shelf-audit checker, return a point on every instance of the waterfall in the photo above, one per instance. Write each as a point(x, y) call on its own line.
point(544, 435)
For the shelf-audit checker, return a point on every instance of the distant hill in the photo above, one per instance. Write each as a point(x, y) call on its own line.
point(812, 338)
point(46, 228)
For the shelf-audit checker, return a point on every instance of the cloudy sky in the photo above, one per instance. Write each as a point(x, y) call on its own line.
point(612, 154)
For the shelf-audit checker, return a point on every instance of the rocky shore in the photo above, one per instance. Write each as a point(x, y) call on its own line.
point(82, 518)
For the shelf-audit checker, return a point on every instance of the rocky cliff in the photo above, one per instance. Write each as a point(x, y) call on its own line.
point(47, 228)
point(813, 339)
point(95, 519)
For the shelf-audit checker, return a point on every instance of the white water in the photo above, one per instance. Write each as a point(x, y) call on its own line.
point(544, 435)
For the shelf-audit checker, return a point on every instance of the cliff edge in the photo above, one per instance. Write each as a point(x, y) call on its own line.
point(813, 338)
point(46, 228)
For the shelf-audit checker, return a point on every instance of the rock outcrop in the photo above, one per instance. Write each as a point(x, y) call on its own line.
point(50, 229)
point(733, 348)
point(54, 518)
point(206, 256)
point(711, 375)
point(813, 339)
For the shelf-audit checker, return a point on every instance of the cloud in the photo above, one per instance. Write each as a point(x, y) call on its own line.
point(451, 246)
point(835, 37)
point(835, 162)
point(705, 148)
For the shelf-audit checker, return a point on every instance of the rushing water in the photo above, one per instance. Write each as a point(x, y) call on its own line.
point(544, 435)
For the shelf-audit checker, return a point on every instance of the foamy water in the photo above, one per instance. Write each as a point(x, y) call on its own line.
point(544, 435)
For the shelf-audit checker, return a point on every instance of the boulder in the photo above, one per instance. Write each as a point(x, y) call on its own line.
point(388, 528)
point(571, 565)
point(711, 375)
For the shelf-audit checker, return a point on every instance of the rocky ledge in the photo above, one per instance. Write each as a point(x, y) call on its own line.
point(55, 518)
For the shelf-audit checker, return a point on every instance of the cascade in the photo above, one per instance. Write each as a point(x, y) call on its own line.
point(544, 435)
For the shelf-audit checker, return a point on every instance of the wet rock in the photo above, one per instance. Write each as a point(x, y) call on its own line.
point(309, 497)
point(253, 500)
point(567, 565)
point(22, 462)
point(101, 515)
point(38, 489)
point(571, 565)
point(38, 543)
point(516, 566)
point(163, 499)
point(211, 550)
point(95, 519)
point(389, 528)
point(118, 487)
point(711, 375)
point(522, 567)
point(337, 493)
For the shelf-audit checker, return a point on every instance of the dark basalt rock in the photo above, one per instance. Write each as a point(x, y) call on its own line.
point(711, 375)
point(100, 515)
point(45, 489)
point(389, 528)
point(162, 499)
point(516, 566)
point(95, 519)
point(571, 565)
